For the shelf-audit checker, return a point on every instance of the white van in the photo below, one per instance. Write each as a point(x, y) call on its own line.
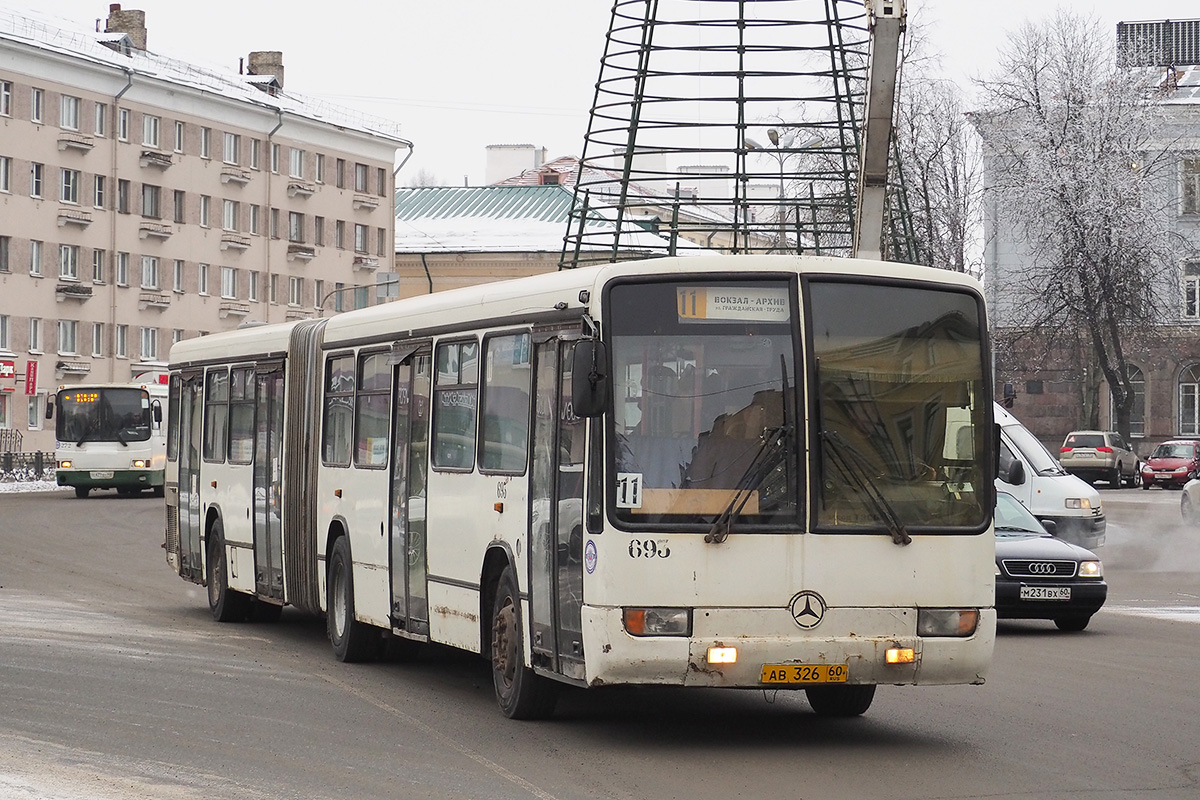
point(1029, 473)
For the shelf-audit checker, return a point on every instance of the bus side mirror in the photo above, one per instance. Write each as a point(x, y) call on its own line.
point(589, 378)
point(156, 412)
point(50, 409)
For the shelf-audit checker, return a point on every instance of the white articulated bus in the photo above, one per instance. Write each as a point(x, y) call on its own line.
point(727, 471)
point(111, 435)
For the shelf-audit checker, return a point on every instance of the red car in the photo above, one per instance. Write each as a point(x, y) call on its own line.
point(1172, 464)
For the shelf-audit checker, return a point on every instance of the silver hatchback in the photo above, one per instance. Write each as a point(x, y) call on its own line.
point(1100, 456)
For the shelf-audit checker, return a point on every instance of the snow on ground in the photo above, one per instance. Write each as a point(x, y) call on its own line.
point(8, 487)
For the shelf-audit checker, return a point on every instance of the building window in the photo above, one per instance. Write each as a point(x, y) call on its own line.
point(339, 235)
point(1137, 417)
point(252, 287)
point(1190, 177)
point(122, 276)
point(254, 223)
point(230, 152)
point(319, 231)
point(150, 130)
point(229, 283)
point(123, 124)
point(275, 158)
point(273, 289)
point(6, 98)
point(229, 215)
point(5, 174)
point(381, 242)
point(205, 208)
point(295, 227)
point(68, 113)
point(318, 292)
point(149, 272)
point(37, 177)
point(381, 181)
point(180, 203)
point(177, 276)
point(320, 176)
point(360, 238)
point(70, 186)
point(206, 142)
point(35, 335)
point(35, 257)
point(149, 344)
point(274, 223)
point(98, 339)
point(338, 290)
point(202, 279)
point(176, 336)
point(150, 201)
point(296, 165)
point(98, 191)
point(121, 341)
point(68, 261)
point(339, 173)
point(1189, 401)
point(66, 336)
point(101, 119)
point(255, 153)
point(3, 337)
point(37, 104)
point(295, 290)
point(5, 246)
point(360, 177)
point(179, 131)
point(122, 196)
point(98, 258)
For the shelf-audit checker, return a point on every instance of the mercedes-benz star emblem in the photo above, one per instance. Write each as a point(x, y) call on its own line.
point(808, 609)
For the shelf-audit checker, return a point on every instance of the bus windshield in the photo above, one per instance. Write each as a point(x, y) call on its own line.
point(901, 406)
point(704, 414)
point(101, 414)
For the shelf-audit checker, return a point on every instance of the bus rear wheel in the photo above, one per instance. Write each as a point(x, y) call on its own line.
point(521, 693)
point(225, 604)
point(81, 491)
point(352, 641)
point(840, 701)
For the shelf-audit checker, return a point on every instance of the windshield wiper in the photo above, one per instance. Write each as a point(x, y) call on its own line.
point(120, 438)
point(768, 456)
point(862, 483)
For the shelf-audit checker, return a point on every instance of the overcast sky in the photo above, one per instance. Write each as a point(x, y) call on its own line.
point(459, 75)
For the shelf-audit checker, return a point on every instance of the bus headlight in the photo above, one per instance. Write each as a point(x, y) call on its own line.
point(64, 465)
point(947, 621)
point(658, 621)
point(139, 463)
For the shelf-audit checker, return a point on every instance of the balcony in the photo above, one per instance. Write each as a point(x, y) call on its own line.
point(153, 299)
point(69, 140)
point(74, 216)
point(234, 241)
point(64, 368)
point(234, 308)
point(154, 230)
point(366, 262)
point(153, 158)
point(301, 189)
point(232, 174)
point(301, 252)
point(361, 201)
point(296, 313)
point(72, 291)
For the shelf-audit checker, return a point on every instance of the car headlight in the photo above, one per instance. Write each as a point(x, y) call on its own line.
point(1090, 569)
point(658, 621)
point(1078, 502)
point(1181, 471)
point(947, 621)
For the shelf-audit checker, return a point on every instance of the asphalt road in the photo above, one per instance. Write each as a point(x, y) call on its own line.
point(115, 683)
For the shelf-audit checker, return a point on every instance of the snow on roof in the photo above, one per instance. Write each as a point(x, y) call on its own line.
point(65, 37)
point(1180, 85)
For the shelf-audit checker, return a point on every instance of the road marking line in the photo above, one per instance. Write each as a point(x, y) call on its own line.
point(1174, 613)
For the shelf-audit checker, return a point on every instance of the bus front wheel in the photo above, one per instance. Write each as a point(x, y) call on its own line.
point(520, 692)
point(225, 604)
point(352, 640)
point(81, 492)
point(840, 701)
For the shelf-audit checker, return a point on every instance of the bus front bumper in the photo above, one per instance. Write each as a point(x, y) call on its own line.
point(858, 638)
point(107, 479)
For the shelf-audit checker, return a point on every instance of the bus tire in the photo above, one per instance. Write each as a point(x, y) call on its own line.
point(840, 701)
point(225, 604)
point(520, 692)
point(352, 641)
point(81, 492)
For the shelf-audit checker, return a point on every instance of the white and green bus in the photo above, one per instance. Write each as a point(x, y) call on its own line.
point(766, 472)
point(111, 435)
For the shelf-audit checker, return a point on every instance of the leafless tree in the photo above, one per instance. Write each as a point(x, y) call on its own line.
point(1077, 170)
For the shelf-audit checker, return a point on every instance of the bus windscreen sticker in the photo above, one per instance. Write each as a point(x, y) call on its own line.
point(732, 304)
point(629, 490)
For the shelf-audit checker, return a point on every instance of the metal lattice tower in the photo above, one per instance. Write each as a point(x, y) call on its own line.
point(730, 125)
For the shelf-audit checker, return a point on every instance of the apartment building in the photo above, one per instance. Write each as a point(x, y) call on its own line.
point(144, 200)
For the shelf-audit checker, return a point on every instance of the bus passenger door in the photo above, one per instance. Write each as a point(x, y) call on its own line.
point(191, 520)
point(410, 438)
point(556, 508)
point(268, 472)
